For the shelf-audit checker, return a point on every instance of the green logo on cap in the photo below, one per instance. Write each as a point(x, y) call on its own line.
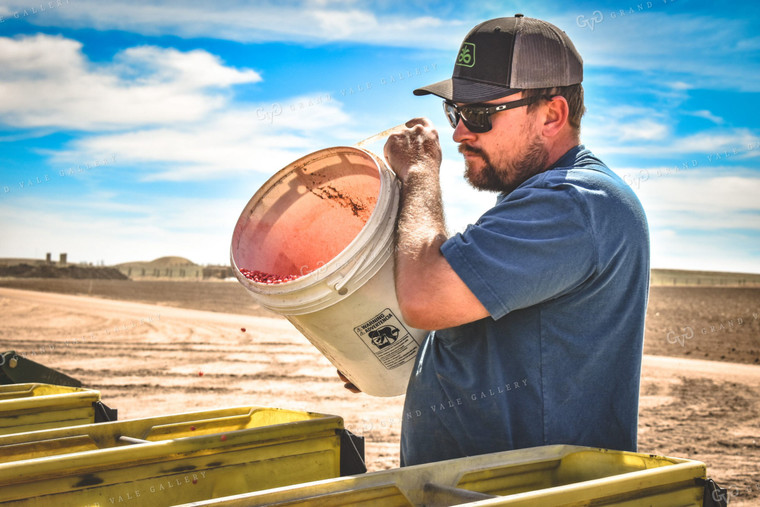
point(466, 56)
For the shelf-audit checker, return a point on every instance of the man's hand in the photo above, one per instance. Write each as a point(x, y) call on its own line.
point(347, 383)
point(416, 148)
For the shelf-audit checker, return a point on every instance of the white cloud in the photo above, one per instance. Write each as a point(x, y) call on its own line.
point(707, 115)
point(680, 86)
point(653, 132)
point(342, 24)
point(644, 130)
point(300, 21)
point(623, 125)
point(648, 133)
point(171, 117)
point(731, 142)
point(190, 71)
point(238, 141)
point(698, 199)
point(673, 43)
point(700, 218)
point(47, 81)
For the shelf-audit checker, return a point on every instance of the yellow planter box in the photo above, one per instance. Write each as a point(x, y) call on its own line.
point(32, 407)
point(546, 476)
point(169, 460)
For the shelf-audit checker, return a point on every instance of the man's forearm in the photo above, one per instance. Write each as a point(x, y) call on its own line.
point(430, 293)
point(421, 222)
point(420, 232)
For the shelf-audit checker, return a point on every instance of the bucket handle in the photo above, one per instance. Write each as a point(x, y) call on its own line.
point(340, 284)
point(385, 133)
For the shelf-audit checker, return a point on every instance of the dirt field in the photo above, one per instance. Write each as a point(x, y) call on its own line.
point(169, 355)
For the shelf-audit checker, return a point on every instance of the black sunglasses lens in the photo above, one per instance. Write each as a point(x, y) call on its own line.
point(451, 113)
point(476, 119)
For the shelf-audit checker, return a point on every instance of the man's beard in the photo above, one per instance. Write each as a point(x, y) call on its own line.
point(505, 179)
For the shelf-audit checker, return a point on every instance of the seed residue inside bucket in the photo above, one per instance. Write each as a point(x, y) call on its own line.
point(268, 278)
point(346, 201)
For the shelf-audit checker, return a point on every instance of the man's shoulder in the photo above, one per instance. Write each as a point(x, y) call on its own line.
point(581, 182)
point(578, 181)
point(579, 159)
point(580, 168)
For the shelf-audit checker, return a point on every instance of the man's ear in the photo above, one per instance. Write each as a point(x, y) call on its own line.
point(556, 115)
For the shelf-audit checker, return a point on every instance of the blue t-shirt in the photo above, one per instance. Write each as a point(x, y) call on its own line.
point(562, 265)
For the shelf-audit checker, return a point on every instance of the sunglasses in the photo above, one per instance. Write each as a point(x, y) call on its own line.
point(477, 117)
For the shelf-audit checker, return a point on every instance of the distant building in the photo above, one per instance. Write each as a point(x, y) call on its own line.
point(172, 268)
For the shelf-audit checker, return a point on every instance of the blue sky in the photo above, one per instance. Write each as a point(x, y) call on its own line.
point(134, 130)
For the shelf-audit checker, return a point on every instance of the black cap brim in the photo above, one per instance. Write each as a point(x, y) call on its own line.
point(465, 91)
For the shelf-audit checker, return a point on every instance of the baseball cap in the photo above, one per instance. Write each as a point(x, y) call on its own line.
point(503, 56)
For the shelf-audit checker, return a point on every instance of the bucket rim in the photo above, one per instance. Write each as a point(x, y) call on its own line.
point(340, 261)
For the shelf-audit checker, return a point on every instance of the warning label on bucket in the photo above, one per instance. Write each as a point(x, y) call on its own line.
point(388, 339)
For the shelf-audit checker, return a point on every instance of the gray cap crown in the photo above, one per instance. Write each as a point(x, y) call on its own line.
point(502, 56)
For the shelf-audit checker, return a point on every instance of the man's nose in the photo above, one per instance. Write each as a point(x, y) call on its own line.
point(462, 133)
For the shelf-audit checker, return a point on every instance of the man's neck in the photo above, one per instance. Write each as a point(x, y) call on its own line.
point(559, 148)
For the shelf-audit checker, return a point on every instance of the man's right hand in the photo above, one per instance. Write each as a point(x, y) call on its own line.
point(347, 383)
point(417, 147)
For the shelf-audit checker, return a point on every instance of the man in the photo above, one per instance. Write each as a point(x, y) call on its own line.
point(538, 308)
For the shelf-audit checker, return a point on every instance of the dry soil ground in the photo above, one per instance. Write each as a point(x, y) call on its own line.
point(700, 394)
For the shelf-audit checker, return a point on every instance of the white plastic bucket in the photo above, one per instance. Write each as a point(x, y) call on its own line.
point(328, 219)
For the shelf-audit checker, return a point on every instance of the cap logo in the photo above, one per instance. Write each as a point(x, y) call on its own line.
point(466, 56)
